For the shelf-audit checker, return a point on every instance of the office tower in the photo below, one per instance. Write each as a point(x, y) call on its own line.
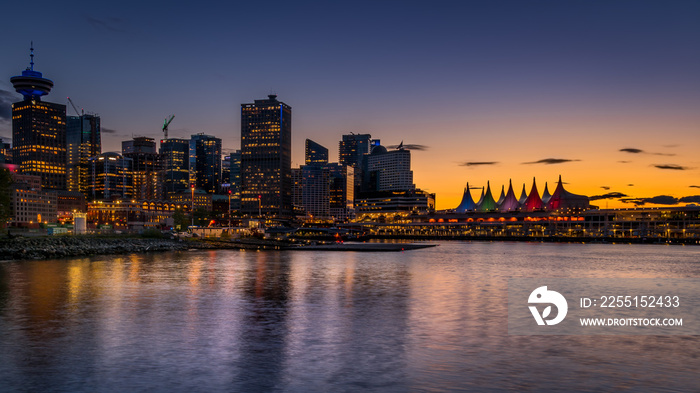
point(226, 172)
point(235, 179)
point(351, 152)
point(83, 140)
point(342, 191)
point(315, 191)
point(111, 177)
point(388, 170)
point(314, 153)
point(205, 163)
point(146, 167)
point(297, 189)
point(5, 152)
point(175, 159)
point(38, 130)
point(266, 158)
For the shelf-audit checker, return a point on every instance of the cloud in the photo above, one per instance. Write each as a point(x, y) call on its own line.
point(550, 161)
point(632, 150)
point(624, 162)
point(694, 186)
point(656, 200)
point(410, 146)
point(690, 199)
point(227, 152)
point(6, 100)
point(478, 163)
point(106, 24)
point(638, 151)
point(610, 195)
point(605, 187)
point(106, 130)
point(672, 167)
point(630, 185)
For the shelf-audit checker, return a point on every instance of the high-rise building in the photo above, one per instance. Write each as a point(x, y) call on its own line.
point(352, 150)
point(266, 158)
point(175, 156)
point(314, 153)
point(388, 170)
point(234, 179)
point(341, 191)
point(205, 163)
point(315, 191)
point(111, 177)
point(83, 140)
point(146, 167)
point(38, 130)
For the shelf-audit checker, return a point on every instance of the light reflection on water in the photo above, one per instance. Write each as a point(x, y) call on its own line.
point(424, 320)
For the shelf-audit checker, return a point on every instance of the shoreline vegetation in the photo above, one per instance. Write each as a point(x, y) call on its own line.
point(53, 247)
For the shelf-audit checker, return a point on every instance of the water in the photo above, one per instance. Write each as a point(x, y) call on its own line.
point(424, 320)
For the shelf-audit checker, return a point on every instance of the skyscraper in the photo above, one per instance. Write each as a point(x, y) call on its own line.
point(205, 163)
point(266, 158)
point(351, 152)
point(235, 179)
point(389, 170)
point(111, 177)
point(146, 167)
point(175, 153)
point(38, 130)
point(314, 153)
point(83, 140)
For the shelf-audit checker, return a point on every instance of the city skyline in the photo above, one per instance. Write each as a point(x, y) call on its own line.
point(605, 94)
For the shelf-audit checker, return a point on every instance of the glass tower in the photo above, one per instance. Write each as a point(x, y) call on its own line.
point(266, 158)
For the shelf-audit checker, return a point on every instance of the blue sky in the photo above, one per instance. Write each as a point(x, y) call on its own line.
point(458, 77)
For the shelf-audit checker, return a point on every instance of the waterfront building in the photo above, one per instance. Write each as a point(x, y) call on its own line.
point(197, 199)
point(486, 203)
point(83, 140)
point(315, 191)
point(533, 202)
point(205, 162)
point(523, 195)
point(388, 170)
point(110, 177)
point(315, 153)
point(175, 153)
point(266, 158)
point(38, 130)
point(129, 214)
point(510, 202)
point(341, 192)
point(30, 204)
point(146, 167)
point(385, 206)
point(352, 150)
point(467, 203)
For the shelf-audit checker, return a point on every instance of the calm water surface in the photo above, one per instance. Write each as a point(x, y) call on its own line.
point(424, 320)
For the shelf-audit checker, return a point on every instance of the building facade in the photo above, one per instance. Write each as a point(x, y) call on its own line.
point(83, 140)
point(266, 158)
point(30, 204)
point(146, 168)
point(388, 170)
point(38, 130)
point(175, 153)
point(110, 177)
point(205, 163)
point(315, 153)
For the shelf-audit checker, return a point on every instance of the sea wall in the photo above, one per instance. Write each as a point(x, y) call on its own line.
point(74, 246)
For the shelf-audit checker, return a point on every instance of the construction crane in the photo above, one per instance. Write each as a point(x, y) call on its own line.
point(166, 123)
point(79, 113)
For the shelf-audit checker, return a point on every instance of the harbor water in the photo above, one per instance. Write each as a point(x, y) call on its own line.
point(433, 319)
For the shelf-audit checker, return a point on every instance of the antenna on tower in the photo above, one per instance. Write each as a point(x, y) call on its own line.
point(31, 56)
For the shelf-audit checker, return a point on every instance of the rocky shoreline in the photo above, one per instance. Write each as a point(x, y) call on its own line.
point(76, 246)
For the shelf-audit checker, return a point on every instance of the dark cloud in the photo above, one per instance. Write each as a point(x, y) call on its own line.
point(672, 167)
point(632, 150)
point(106, 130)
point(478, 163)
point(690, 199)
point(624, 162)
point(694, 186)
point(657, 200)
point(605, 187)
point(610, 195)
point(638, 151)
point(6, 100)
point(410, 146)
point(630, 185)
point(227, 152)
point(106, 24)
point(550, 161)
